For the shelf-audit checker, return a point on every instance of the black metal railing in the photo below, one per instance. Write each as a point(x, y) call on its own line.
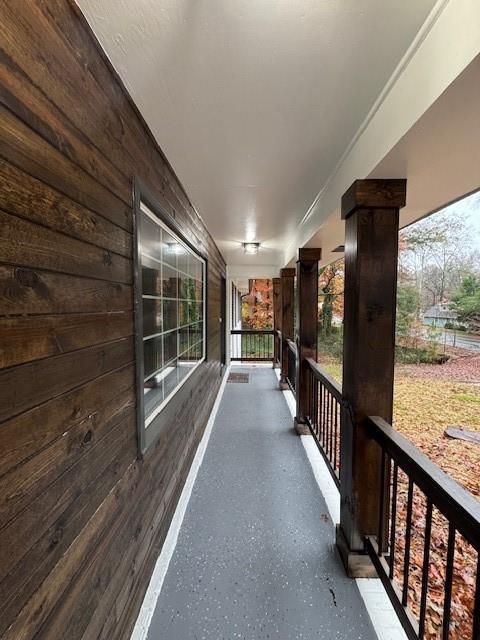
point(323, 415)
point(292, 357)
point(252, 345)
point(426, 550)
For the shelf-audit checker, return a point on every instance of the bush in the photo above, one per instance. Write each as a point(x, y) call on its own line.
point(456, 327)
point(331, 344)
point(408, 355)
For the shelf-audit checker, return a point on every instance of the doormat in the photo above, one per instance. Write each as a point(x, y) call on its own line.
point(238, 377)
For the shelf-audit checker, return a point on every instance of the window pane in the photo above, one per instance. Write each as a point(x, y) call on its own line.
point(152, 356)
point(151, 277)
point(183, 340)
point(152, 316)
point(170, 278)
point(170, 346)
point(171, 379)
point(169, 314)
point(170, 248)
point(182, 257)
point(150, 241)
point(153, 395)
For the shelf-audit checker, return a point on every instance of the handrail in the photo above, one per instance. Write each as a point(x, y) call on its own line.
point(291, 345)
point(457, 504)
point(267, 332)
point(319, 373)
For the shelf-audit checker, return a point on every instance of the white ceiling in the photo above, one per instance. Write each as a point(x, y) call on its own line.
point(254, 102)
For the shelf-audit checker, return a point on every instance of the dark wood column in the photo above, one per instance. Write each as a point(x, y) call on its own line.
point(277, 317)
point(287, 277)
point(307, 292)
point(371, 211)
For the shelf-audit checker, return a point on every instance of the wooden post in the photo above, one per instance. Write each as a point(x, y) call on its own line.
point(277, 318)
point(371, 211)
point(307, 292)
point(287, 285)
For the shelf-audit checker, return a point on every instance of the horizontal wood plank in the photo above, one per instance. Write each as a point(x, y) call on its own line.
point(27, 434)
point(26, 244)
point(32, 338)
point(25, 149)
point(29, 198)
point(32, 291)
point(28, 385)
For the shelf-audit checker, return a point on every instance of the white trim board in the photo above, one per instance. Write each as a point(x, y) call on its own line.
point(147, 609)
point(377, 603)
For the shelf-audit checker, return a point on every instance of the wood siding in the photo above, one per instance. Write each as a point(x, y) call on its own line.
point(81, 518)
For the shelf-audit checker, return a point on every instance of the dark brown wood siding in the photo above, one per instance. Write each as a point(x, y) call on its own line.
point(81, 519)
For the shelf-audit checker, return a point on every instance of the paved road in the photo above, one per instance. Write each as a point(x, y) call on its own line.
point(461, 339)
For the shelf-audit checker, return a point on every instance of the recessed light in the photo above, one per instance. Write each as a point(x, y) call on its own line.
point(250, 247)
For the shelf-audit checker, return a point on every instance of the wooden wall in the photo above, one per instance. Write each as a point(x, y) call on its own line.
point(81, 519)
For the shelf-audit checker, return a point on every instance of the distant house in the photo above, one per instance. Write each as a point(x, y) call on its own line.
point(439, 315)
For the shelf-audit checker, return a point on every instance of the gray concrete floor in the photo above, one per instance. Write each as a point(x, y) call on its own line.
point(255, 556)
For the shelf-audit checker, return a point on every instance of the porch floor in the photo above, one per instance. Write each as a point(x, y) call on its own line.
point(255, 556)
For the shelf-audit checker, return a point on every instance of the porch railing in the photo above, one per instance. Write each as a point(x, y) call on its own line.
point(292, 356)
point(252, 345)
point(323, 416)
point(424, 512)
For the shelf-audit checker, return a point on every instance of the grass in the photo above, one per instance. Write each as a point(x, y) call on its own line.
point(467, 397)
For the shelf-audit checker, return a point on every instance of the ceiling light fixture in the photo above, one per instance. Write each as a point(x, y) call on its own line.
point(250, 247)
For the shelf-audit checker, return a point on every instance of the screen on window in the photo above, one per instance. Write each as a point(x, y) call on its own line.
point(172, 298)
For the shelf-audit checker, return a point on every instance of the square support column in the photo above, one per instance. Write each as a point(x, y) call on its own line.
point(287, 292)
point(277, 318)
point(371, 211)
point(307, 292)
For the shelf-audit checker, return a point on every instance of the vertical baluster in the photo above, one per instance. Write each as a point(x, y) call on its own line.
point(447, 602)
point(425, 567)
point(327, 421)
point(324, 423)
point(335, 435)
point(408, 535)
point(476, 610)
point(331, 427)
point(327, 416)
point(321, 414)
point(393, 520)
point(381, 516)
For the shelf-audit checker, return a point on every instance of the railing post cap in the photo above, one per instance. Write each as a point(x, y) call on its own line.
point(309, 254)
point(374, 194)
point(287, 272)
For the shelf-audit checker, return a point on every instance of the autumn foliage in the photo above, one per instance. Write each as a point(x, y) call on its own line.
point(257, 305)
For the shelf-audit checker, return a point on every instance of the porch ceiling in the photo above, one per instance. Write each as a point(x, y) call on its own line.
point(254, 103)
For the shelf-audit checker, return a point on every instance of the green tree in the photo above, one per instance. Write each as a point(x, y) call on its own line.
point(466, 301)
point(408, 303)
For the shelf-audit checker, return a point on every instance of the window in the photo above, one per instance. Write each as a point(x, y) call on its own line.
point(170, 312)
